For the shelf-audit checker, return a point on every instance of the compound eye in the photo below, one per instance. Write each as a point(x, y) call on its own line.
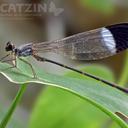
point(9, 46)
point(8, 43)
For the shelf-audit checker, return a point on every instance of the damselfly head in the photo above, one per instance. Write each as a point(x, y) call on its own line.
point(9, 46)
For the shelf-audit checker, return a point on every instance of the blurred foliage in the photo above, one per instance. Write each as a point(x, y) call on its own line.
point(124, 74)
point(57, 108)
point(104, 6)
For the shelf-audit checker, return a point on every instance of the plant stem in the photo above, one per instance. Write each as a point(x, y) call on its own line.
point(13, 106)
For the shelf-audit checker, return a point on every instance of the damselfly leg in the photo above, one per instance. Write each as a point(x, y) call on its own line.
point(14, 61)
point(33, 71)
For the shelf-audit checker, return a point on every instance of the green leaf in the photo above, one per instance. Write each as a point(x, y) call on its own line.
point(104, 6)
point(107, 99)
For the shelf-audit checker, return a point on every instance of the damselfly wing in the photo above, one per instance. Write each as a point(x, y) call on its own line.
point(91, 45)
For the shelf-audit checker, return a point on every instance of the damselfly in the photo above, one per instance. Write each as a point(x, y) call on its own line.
point(91, 45)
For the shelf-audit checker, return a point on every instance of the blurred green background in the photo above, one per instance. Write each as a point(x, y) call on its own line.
point(59, 18)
